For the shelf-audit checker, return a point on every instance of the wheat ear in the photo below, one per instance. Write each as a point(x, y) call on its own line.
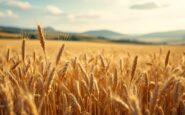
point(42, 40)
point(167, 58)
point(23, 51)
point(134, 67)
point(59, 54)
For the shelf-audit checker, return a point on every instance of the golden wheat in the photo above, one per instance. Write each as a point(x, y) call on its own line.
point(90, 83)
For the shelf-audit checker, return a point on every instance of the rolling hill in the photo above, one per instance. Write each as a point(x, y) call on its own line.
point(168, 34)
point(105, 33)
point(19, 30)
point(51, 33)
point(177, 36)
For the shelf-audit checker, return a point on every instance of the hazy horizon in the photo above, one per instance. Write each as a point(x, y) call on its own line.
point(127, 17)
point(91, 30)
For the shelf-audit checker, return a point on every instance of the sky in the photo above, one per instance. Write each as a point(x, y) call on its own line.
point(124, 16)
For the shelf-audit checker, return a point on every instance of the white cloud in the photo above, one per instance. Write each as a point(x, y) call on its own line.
point(53, 10)
point(8, 14)
point(115, 14)
point(93, 16)
point(20, 4)
point(84, 16)
point(149, 5)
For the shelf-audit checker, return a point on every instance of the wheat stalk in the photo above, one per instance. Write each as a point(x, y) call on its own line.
point(23, 50)
point(59, 54)
point(134, 67)
point(42, 40)
point(117, 102)
point(15, 65)
point(8, 55)
point(74, 102)
point(167, 58)
point(34, 56)
point(50, 81)
point(176, 93)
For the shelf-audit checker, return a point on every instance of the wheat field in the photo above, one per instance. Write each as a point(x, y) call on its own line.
point(40, 77)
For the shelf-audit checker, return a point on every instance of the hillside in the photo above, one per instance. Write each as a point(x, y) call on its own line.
point(177, 36)
point(168, 34)
point(50, 33)
point(105, 33)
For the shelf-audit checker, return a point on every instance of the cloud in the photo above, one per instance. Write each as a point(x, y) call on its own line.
point(149, 5)
point(8, 14)
point(53, 10)
point(84, 16)
point(20, 4)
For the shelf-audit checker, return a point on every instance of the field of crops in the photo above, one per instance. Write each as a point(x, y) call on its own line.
point(40, 77)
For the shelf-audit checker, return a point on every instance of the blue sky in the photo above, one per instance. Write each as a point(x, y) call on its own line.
point(125, 16)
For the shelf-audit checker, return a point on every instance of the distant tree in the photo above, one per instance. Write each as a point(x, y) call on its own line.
point(74, 38)
point(33, 36)
point(101, 37)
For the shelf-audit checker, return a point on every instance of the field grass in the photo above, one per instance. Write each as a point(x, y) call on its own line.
point(9, 35)
point(78, 47)
point(85, 78)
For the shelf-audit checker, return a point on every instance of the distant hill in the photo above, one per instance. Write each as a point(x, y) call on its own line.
point(19, 30)
point(168, 34)
point(172, 37)
point(14, 29)
point(105, 33)
point(50, 29)
point(51, 33)
point(176, 36)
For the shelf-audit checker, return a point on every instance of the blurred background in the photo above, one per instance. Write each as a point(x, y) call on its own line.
point(120, 21)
